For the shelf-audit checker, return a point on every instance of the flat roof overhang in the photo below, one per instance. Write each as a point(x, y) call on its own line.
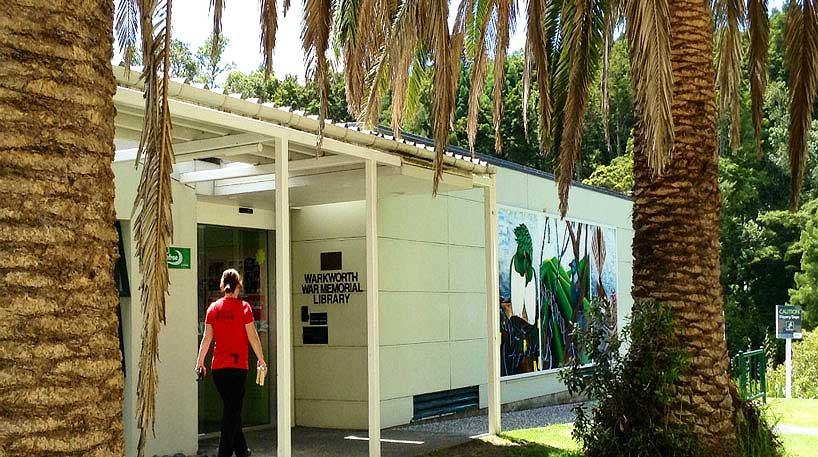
point(225, 146)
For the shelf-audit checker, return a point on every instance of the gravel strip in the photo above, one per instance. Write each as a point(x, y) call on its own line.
point(514, 420)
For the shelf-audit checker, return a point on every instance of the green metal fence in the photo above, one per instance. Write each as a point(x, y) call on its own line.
point(750, 371)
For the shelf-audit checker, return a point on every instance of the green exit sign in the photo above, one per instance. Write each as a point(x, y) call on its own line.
point(179, 258)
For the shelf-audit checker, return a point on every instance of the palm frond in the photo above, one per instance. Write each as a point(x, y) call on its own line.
point(536, 50)
point(344, 36)
point(418, 79)
point(759, 22)
point(801, 55)
point(437, 30)
point(405, 24)
point(401, 63)
point(506, 17)
point(153, 224)
point(127, 29)
point(729, 75)
point(605, 103)
point(315, 37)
point(485, 24)
point(269, 25)
point(218, 8)
point(286, 7)
point(648, 33)
point(584, 46)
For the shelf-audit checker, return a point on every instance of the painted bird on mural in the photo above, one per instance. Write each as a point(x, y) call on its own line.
point(523, 278)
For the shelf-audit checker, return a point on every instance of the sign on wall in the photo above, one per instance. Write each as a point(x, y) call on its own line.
point(550, 270)
point(179, 258)
point(788, 322)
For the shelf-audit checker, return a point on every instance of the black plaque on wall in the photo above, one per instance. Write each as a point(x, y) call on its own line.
point(315, 335)
point(331, 261)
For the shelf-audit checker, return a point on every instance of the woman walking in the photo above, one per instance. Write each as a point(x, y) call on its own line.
point(229, 322)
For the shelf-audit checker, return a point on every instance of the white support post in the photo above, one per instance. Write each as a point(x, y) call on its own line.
point(373, 346)
point(284, 340)
point(492, 307)
point(788, 365)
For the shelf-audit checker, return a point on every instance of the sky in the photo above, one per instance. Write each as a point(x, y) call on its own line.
point(193, 22)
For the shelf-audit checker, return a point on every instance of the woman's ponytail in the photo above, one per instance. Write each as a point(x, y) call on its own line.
point(231, 281)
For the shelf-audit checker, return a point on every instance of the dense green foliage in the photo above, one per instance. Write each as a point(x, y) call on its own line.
point(632, 389)
point(805, 294)
point(804, 369)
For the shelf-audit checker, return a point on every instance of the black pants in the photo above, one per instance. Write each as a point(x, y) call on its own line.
point(230, 384)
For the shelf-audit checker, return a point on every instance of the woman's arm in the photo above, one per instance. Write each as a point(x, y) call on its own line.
point(255, 343)
point(204, 348)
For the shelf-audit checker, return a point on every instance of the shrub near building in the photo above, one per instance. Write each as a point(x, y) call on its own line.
point(804, 370)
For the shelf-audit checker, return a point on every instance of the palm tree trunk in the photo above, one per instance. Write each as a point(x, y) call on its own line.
point(677, 223)
point(60, 375)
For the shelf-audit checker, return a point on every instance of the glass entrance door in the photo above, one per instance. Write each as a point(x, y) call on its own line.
point(247, 251)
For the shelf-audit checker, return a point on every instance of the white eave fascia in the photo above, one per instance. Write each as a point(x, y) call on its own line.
point(298, 120)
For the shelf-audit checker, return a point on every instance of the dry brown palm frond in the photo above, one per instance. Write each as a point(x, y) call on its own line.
point(583, 44)
point(759, 26)
point(127, 30)
point(346, 33)
point(801, 54)
point(268, 17)
point(605, 104)
point(437, 35)
point(506, 16)
point(153, 225)
point(405, 27)
point(485, 23)
point(536, 56)
point(355, 30)
point(218, 7)
point(729, 75)
point(648, 32)
point(315, 37)
point(401, 62)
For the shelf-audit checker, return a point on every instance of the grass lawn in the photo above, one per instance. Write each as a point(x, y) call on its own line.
point(552, 441)
point(556, 440)
point(802, 413)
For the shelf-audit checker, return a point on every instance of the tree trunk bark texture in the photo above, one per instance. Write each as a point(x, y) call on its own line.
point(677, 223)
point(61, 383)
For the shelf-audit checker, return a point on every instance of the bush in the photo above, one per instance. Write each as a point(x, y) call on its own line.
point(804, 370)
point(755, 434)
point(631, 390)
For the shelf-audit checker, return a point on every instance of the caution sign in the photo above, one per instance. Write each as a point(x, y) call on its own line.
point(788, 322)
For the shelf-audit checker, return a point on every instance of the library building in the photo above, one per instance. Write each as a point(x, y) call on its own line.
point(377, 303)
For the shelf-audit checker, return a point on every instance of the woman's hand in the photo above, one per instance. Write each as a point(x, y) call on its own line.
point(200, 368)
point(261, 365)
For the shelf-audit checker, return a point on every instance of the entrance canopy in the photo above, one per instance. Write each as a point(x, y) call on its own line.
point(242, 151)
point(226, 147)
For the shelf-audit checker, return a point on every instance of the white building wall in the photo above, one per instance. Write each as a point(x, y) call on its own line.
point(176, 401)
point(432, 302)
point(330, 380)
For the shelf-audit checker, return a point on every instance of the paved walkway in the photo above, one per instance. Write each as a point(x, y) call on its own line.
point(785, 429)
point(404, 441)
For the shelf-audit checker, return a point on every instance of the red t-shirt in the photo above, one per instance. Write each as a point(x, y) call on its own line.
point(228, 316)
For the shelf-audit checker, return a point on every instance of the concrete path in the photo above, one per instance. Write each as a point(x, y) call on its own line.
point(312, 442)
point(404, 441)
point(785, 429)
point(515, 420)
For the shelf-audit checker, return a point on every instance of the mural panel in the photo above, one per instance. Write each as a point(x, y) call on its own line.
point(550, 269)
